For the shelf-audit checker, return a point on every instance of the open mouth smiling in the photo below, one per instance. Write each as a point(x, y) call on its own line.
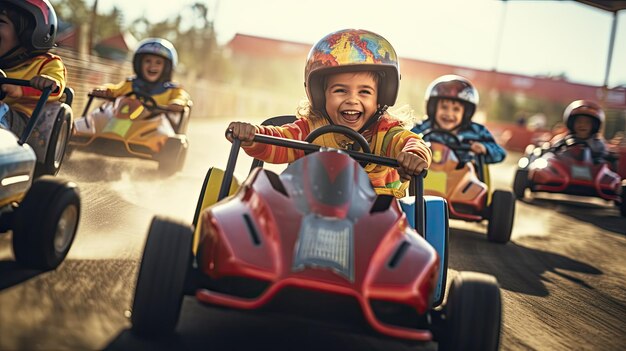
point(351, 115)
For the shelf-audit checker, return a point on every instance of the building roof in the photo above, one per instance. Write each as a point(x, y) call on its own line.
point(250, 45)
point(553, 89)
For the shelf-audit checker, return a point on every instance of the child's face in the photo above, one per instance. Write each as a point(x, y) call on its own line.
point(351, 98)
point(583, 126)
point(449, 114)
point(8, 37)
point(152, 67)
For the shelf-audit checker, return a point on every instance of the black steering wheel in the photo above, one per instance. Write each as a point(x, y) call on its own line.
point(146, 100)
point(333, 128)
point(567, 144)
point(449, 138)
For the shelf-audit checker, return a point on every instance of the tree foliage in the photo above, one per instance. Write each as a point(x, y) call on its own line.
point(191, 31)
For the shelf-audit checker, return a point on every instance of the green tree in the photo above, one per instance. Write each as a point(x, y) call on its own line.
point(79, 13)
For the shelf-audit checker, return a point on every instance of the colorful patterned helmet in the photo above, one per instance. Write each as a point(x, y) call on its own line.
point(41, 32)
point(352, 50)
point(452, 87)
point(158, 47)
point(585, 108)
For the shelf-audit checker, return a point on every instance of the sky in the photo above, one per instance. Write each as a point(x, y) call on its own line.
point(523, 37)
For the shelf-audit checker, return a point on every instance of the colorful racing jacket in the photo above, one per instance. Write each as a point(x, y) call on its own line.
point(164, 94)
point(389, 139)
point(477, 132)
point(46, 65)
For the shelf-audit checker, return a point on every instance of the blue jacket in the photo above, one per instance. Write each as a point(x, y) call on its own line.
point(477, 132)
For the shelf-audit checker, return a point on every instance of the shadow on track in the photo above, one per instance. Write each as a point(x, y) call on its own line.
point(11, 274)
point(202, 327)
point(517, 268)
point(606, 216)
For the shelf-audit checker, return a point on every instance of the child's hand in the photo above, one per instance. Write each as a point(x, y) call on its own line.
point(242, 130)
point(12, 91)
point(478, 148)
point(40, 82)
point(104, 93)
point(410, 165)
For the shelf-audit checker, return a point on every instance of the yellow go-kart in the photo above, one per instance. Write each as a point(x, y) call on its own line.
point(134, 125)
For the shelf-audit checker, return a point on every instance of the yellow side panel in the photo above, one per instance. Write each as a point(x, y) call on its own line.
point(436, 182)
point(209, 197)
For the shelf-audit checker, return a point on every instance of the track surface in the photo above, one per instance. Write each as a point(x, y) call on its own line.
point(562, 276)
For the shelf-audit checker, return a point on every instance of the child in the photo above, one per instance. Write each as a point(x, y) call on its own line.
point(451, 101)
point(583, 119)
point(351, 77)
point(153, 63)
point(27, 32)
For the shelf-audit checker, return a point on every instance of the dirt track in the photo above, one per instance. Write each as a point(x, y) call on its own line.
point(562, 276)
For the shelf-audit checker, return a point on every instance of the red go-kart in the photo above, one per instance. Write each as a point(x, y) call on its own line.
point(313, 241)
point(568, 168)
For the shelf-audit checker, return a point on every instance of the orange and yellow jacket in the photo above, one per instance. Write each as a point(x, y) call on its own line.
point(388, 139)
point(46, 65)
point(164, 94)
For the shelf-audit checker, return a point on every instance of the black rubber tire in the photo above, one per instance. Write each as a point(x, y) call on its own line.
point(520, 183)
point(57, 144)
point(473, 314)
point(161, 280)
point(172, 156)
point(45, 223)
point(501, 217)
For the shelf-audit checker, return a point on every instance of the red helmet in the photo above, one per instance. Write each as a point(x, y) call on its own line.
point(452, 87)
point(352, 50)
point(585, 108)
point(40, 35)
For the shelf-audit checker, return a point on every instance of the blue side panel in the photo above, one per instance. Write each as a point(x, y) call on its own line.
point(407, 204)
point(436, 234)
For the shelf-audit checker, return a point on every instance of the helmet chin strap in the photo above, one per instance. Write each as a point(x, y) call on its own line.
point(379, 112)
point(12, 57)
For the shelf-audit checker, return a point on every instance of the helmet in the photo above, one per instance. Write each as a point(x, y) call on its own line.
point(585, 108)
point(40, 35)
point(452, 87)
point(158, 47)
point(352, 50)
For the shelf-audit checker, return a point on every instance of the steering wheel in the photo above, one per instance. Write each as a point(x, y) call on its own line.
point(146, 100)
point(333, 128)
point(564, 144)
point(448, 138)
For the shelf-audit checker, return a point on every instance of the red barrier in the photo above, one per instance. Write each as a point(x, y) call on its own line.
point(515, 137)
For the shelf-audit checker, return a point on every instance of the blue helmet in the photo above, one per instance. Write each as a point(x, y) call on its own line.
point(159, 47)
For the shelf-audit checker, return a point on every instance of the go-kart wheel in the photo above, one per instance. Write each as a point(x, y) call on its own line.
point(45, 223)
point(161, 280)
point(473, 314)
point(57, 144)
point(520, 183)
point(501, 217)
point(172, 156)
